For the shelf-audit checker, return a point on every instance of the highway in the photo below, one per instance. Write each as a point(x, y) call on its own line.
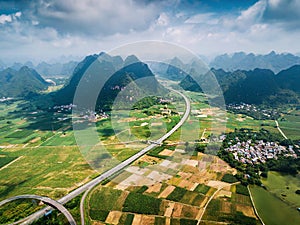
point(46, 200)
point(145, 150)
point(117, 168)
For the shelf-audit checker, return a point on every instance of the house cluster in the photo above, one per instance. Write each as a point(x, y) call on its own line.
point(259, 151)
point(244, 107)
point(4, 99)
point(117, 87)
point(64, 108)
point(165, 101)
point(93, 116)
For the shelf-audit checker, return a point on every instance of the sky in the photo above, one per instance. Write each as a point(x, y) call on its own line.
point(40, 30)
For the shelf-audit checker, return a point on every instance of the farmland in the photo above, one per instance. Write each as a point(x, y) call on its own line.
point(290, 124)
point(283, 186)
point(272, 210)
point(175, 182)
point(176, 195)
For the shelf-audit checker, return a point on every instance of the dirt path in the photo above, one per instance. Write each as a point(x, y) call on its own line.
point(214, 194)
point(11, 163)
point(277, 125)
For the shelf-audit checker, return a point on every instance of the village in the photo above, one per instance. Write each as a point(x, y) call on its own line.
point(253, 111)
point(259, 151)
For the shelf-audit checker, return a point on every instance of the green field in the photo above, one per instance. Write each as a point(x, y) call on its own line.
point(50, 171)
point(272, 210)
point(290, 124)
point(106, 199)
point(142, 204)
point(4, 160)
point(284, 186)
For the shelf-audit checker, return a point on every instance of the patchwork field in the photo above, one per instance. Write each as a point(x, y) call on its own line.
point(169, 191)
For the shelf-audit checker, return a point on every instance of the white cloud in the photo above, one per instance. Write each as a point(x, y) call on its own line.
point(97, 17)
point(87, 27)
point(283, 12)
point(5, 18)
point(9, 18)
point(203, 18)
point(247, 18)
point(163, 20)
point(18, 14)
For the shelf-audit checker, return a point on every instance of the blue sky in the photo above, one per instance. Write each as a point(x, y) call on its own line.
point(47, 29)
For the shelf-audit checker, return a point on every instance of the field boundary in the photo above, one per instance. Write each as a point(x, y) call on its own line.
point(279, 129)
point(253, 204)
point(8, 164)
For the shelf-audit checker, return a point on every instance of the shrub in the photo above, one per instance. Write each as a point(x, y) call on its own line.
point(241, 189)
point(229, 178)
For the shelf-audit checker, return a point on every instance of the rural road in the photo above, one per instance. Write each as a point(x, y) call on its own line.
point(277, 125)
point(211, 198)
point(117, 168)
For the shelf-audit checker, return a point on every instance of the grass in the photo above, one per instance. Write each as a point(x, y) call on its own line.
point(160, 221)
point(188, 222)
point(61, 139)
point(129, 219)
point(271, 209)
point(212, 210)
point(49, 171)
point(97, 214)
point(105, 198)
point(5, 160)
point(20, 134)
point(202, 188)
point(143, 204)
point(284, 186)
point(290, 124)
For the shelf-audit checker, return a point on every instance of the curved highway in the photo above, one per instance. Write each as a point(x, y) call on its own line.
point(46, 200)
point(119, 167)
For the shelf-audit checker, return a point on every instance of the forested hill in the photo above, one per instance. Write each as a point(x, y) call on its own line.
point(23, 83)
point(258, 86)
point(95, 69)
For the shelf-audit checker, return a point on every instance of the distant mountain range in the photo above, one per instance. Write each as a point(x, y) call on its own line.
point(242, 61)
point(113, 74)
point(46, 69)
point(24, 82)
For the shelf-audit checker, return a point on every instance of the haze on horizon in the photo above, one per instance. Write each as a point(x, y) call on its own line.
point(48, 29)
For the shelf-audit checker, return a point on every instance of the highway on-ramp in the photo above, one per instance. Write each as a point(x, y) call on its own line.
point(46, 200)
point(117, 168)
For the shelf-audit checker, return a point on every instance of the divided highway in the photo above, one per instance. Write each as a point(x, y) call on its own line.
point(117, 168)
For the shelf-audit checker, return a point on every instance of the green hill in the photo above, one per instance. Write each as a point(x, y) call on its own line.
point(108, 75)
point(258, 86)
point(289, 79)
point(24, 82)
